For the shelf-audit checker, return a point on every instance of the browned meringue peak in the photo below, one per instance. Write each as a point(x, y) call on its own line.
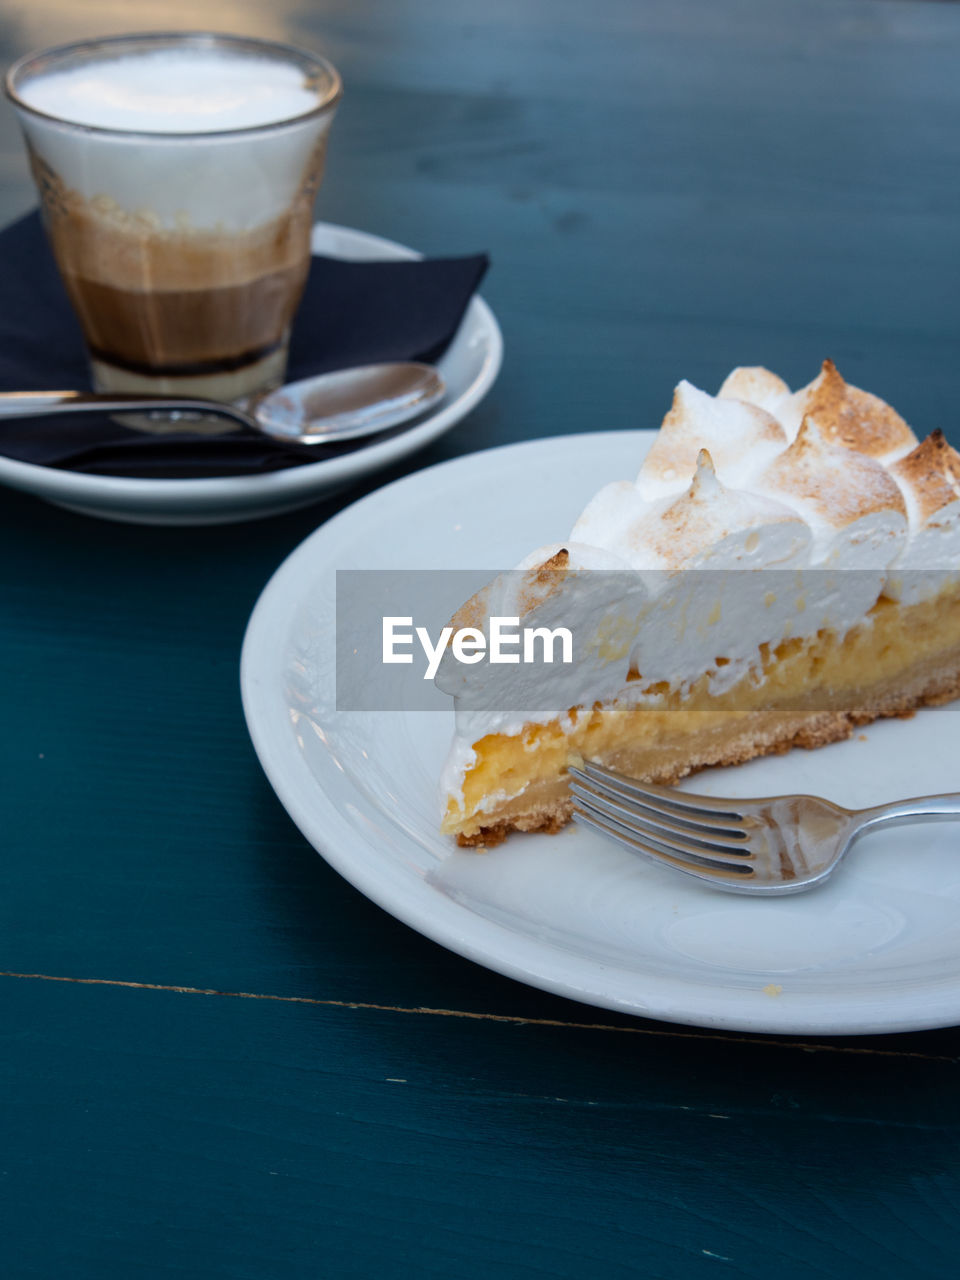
point(741, 438)
point(830, 485)
point(541, 581)
point(849, 417)
point(755, 385)
point(698, 525)
point(929, 475)
point(475, 611)
point(538, 578)
point(535, 579)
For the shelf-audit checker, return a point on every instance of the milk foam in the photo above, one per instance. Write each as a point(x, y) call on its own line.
point(174, 91)
point(187, 167)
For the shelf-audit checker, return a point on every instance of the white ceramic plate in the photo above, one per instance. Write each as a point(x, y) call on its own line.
point(469, 367)
point(876, 949)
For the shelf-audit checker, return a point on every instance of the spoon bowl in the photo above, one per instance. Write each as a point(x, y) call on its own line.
point(350, 403)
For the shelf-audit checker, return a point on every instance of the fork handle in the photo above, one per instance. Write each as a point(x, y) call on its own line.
point(920, 809)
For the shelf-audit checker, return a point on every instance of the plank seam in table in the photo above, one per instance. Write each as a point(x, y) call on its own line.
point(515, 1019)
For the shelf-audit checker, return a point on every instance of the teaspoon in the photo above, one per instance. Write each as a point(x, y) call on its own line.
point(330, 407)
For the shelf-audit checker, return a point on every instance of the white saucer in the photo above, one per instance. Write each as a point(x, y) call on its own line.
point(875, 949)
point(469, 368)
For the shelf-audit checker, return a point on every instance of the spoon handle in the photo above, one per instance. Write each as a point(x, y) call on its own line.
point(40, 404)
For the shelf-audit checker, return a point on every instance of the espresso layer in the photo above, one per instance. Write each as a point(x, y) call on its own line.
point(187, 331)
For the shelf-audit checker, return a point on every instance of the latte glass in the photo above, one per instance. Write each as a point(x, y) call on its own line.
point(184, 253)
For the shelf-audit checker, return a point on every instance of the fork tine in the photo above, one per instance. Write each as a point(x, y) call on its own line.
point(672, 839)
point(684, 801)
point(659, 801)
point(705, 870)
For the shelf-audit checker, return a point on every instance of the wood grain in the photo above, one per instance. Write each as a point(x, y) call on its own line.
point(199, 1135)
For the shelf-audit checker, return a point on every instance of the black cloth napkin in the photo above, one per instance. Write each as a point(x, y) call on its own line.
point(352, 313)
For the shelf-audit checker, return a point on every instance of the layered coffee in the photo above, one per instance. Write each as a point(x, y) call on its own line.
point(177, 176)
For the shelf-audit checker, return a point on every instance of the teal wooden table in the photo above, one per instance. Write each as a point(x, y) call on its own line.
point(217, 1058)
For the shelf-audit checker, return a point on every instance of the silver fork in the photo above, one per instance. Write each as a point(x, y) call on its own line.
point(777, 845)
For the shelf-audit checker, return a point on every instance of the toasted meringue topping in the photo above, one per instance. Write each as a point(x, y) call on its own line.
point(929, 477)
point(755, 385)
point(850, 417)
point(538, 577)
point(835, 485)
point(475, 611)
point(710, 525)
point(608, 518)
point(741, 438)
point(853, 505)
point(541, 581)
point(930, 480)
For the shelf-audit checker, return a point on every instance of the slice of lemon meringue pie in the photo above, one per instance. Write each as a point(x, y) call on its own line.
point(785, 567)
